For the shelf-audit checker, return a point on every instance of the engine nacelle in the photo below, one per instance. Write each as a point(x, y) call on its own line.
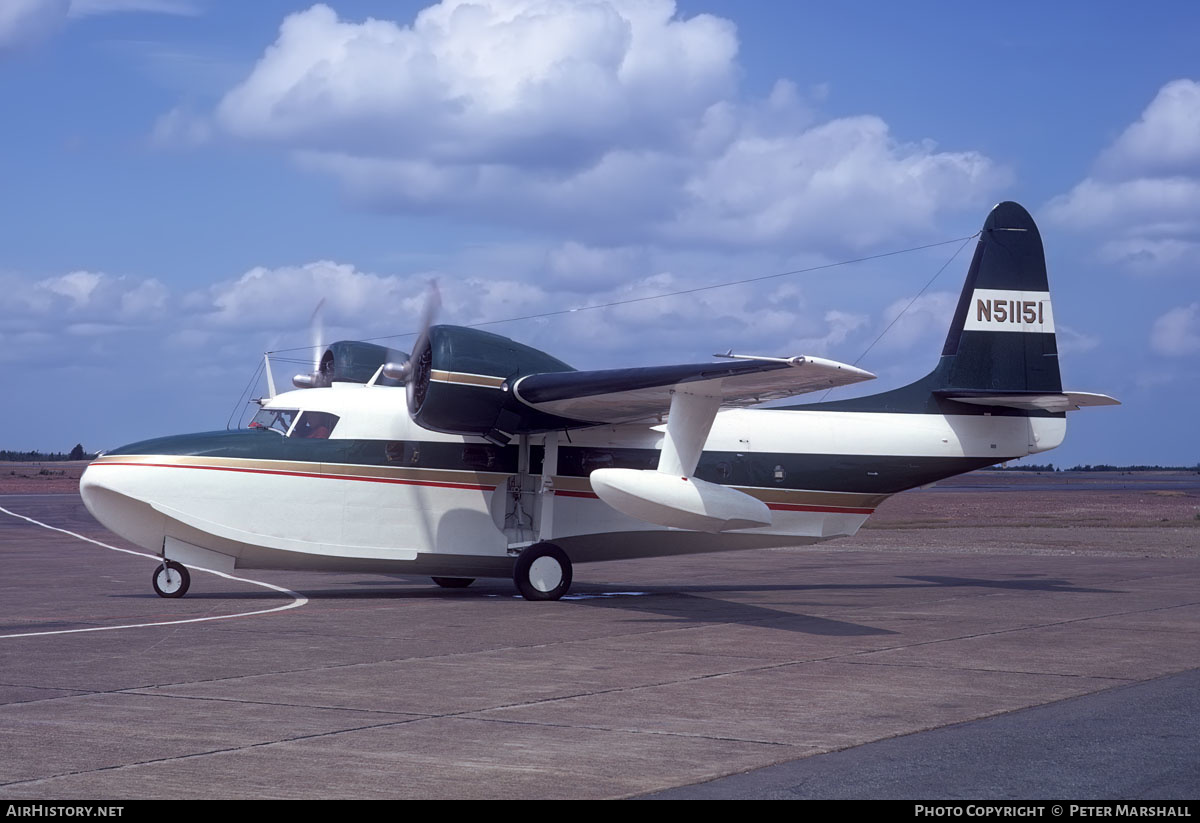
point(350, 361)
point(461, 384)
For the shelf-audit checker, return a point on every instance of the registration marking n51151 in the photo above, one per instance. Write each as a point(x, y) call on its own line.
point(1009, 310)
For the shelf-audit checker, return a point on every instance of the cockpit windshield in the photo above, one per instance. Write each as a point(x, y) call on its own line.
point(279, 420)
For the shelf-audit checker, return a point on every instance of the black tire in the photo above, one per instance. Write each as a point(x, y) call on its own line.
point(171, 579)
point(542, 572)
point(453, 582)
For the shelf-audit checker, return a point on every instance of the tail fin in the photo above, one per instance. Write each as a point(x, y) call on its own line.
point(1002, 337)
point(1001, 350)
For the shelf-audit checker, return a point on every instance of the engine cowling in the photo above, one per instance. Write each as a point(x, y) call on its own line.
point(350, 361)
point(461, 384)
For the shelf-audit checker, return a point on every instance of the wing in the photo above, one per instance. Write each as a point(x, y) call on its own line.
point(625, 395)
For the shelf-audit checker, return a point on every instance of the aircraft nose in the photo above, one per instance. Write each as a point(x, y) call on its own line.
point(111, 498)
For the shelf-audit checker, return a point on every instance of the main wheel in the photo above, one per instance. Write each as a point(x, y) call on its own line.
point(171, 579)
point(454, 582)
point(542, 572)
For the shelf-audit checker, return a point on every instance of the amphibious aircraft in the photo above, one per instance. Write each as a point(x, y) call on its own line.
point(478, 456)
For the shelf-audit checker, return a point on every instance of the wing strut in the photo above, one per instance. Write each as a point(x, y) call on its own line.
point(688, 424)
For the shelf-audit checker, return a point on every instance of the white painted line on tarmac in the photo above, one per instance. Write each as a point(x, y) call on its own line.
point(298, 601)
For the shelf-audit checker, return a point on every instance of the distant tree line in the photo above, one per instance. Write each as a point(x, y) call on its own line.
point(76, 453)
point(1100, 467)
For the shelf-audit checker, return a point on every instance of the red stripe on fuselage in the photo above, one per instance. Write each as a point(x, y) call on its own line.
point(439, 484)
point(791, 507)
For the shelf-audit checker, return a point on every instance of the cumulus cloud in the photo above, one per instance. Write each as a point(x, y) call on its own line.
point(847, 179)
point(44, 320)
point(544, 82)
point(81, 297)
point(1177, 333)
point(1143, 196)
point(610, 122)
point(928, 316)
point(1164, 142)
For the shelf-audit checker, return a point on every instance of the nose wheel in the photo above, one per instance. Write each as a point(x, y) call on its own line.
point(542, 572)
point(171, 579)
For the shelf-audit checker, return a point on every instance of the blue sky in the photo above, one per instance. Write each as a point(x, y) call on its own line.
point(183, 180)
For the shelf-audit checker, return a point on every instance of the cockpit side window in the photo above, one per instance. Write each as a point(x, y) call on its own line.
point(315, 425)
point(278, 420)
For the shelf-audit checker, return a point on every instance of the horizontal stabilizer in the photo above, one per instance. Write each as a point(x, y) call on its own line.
point(1032, 401)
point(624, 395)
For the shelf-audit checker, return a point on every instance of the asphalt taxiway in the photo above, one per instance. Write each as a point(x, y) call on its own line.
point(656, 675)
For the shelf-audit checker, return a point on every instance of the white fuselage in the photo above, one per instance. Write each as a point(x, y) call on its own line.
point(314, 511)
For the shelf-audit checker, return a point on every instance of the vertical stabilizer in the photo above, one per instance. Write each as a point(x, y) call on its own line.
point(1002, 336)
point(1001, 340)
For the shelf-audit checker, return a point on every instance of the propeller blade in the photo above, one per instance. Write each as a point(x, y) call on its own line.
point(433, 302)
point(316, 328)
point(316, 325)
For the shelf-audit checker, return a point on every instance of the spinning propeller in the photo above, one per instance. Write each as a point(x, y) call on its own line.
point(319, 376)
point(420, 360)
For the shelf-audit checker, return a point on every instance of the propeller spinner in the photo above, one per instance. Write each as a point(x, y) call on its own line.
point(422, 354)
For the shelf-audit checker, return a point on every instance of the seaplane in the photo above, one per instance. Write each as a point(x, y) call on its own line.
point(476, 456)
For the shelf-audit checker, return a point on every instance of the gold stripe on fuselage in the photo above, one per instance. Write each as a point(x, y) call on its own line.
point(485, 480)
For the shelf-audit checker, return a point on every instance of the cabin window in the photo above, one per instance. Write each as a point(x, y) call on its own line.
point(403, 451)
point(279, 420)
point(479, 457)
point(314, 425)
point(595, 459)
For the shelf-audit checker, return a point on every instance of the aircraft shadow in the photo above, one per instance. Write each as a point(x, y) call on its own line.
point(684, 605)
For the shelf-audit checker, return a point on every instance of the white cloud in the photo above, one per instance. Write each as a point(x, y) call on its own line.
point(543, 82)
point(25, 23)
point(283, 298)
point(1072, 341)
point(1164, 142)
point(1142, 200)
point(573, 266)
point(610, 122)
point(839, 326)
point(1177, 333)
point(70, 318)
point(928, 316)
point(847, 178)
point(79, 296)
point(180, 127)
point(76, 286)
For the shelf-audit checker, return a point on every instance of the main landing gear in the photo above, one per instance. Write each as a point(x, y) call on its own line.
point(542, 572)
point(171, 579)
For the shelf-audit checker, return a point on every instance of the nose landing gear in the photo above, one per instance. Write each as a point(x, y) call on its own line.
point(171, 579)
